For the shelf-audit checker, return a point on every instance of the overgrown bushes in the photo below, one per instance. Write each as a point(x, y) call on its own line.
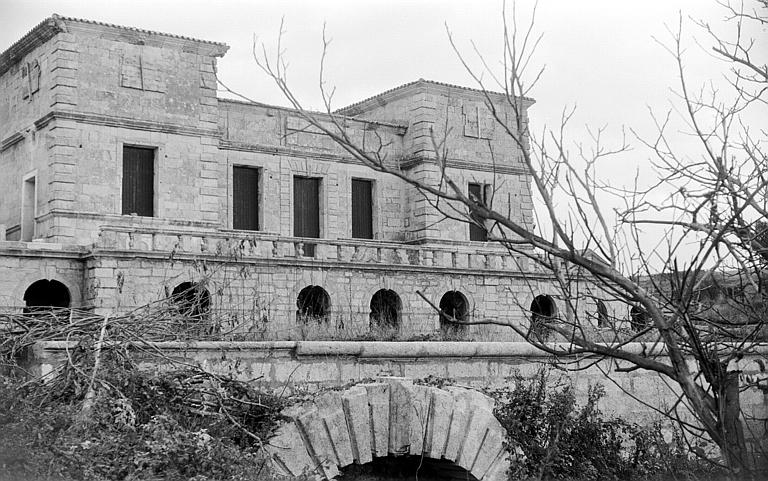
point(561, 440)
point(181, 424)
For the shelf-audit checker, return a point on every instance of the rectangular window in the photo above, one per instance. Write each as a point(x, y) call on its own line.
point(362, 209)
point(306, 210)
point(245, 198)
point(477, 231)
point(28, 208)
point(138, 181)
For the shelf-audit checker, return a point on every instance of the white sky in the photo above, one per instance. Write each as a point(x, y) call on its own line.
point(600, 55)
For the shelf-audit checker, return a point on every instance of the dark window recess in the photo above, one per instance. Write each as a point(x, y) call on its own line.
point(46, 296)
point(362, 209)
point(385, 310)
point(245, 198)
point(314, 304)
point(638, 318)
point(602, 315)
point(477, 230)
point(453, 312)
point(543, 310)
point(138, 181)
point(306, 210)
point(191, 301)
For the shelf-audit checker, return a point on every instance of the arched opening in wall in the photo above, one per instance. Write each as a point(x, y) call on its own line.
point(410, 468)
point(386, 307)
point(192, 301)
point(543, 309)
point(313, 304)
point(638, 318)
point(46, 296)
point(602, 315)
point(454, 310)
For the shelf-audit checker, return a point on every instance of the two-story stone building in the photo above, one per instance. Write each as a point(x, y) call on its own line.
point(125, 180)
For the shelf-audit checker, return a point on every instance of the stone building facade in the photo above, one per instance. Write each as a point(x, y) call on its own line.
point(125, 178)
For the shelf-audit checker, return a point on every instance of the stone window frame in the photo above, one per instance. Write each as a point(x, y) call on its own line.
point(263, 174)
point(321, 198)
point(486, 190)
point(33, 174)
point(375, 206)
point(157, 199)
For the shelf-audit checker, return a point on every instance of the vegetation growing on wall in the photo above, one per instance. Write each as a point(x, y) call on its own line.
point(564, 440)
point(104, 415)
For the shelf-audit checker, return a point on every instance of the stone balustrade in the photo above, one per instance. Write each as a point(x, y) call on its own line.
point(245, 246)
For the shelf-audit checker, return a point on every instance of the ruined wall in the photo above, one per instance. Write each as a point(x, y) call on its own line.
point(259, 299)
point(301, 367)
point(20, 267)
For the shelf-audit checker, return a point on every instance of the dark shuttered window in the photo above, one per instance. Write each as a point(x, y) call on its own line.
point(362, 209)
point(245, 198)
point(306, 210)
point(138, 181)
point(477, 232)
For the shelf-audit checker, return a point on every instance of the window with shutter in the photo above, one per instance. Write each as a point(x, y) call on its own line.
point(138, 181)
point(362, 209)
point(245, 198)
point(477, 231)
point(306, 210)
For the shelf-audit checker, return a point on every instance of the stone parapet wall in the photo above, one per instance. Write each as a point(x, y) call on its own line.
point(296, 367)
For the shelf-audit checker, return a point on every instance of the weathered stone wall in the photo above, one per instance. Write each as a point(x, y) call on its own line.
point(23, 145)
point(259, 298)
point(291, 367)
point(21, 264)
point(103, 87)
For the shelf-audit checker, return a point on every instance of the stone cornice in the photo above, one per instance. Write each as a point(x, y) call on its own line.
point(423, 350)
point(10, 141)
point(225, 144)
point(465, 166)
point(41, 249)
point(226, 103)
point(125, 122)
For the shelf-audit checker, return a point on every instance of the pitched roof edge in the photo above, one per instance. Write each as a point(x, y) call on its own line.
point(38, 35)
point(370, 102)
point(224, 46)
point(55, 24)
point(393, 125)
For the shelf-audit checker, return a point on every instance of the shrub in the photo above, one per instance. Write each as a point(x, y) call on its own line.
point(561, 440)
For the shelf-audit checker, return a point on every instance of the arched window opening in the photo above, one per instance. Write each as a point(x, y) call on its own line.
point(314, 304)
point(638, 318)
point(602, 315)
point(46, 296)
point(192, 301)
point(385, 310)
point(454, 310)
point(408, 467)
point(543, 309)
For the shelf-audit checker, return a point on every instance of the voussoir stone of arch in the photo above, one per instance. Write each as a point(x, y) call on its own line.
point(390, 417)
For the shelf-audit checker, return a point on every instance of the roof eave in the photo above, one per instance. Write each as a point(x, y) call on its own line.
point(41, 33)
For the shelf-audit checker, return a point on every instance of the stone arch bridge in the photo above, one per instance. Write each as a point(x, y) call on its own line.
point(392, 417)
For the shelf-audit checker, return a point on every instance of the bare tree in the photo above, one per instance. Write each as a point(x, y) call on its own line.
point(708, 305)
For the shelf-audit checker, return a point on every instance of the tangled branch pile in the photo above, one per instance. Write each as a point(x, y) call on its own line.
point(99, 416)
